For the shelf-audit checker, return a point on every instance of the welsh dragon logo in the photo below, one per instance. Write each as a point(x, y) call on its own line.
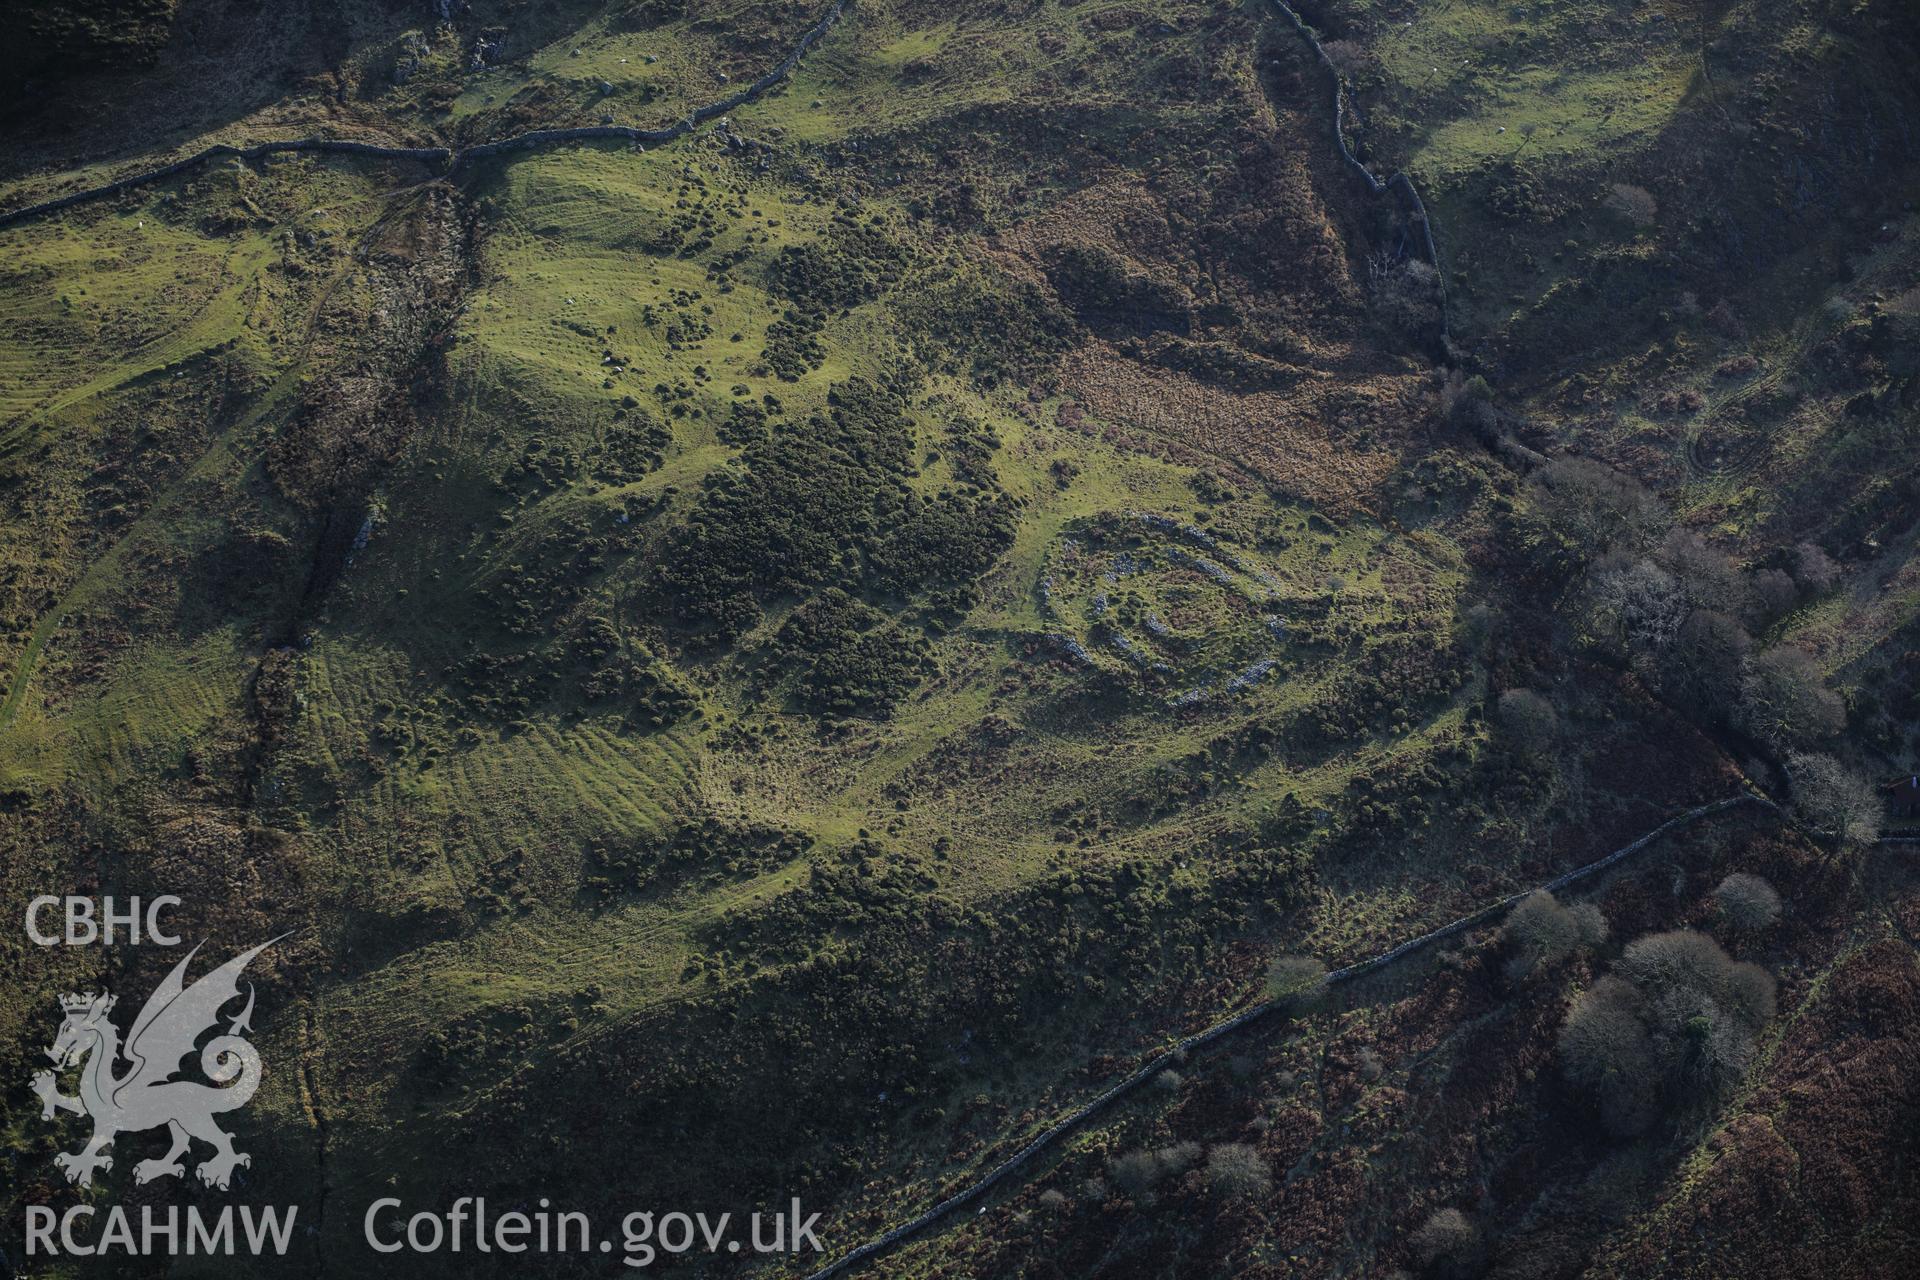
point(145, 1095)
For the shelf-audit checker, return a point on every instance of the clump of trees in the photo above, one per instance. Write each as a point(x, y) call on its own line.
point(1540, 932)
point(1232, 1170)
point(1678, 611)
point(848, 656)
point(1138, 1172)
point(1673, 1025)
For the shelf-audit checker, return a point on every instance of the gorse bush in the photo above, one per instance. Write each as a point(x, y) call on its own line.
point(848, 656)
point(823, 508)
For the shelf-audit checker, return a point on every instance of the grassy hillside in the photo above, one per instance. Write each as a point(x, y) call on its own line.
point(779, 662)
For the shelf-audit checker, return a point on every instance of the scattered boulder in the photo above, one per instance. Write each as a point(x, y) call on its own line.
point(414, 50)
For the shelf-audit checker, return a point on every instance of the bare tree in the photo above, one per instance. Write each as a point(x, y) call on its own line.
point(1747, 902)
point(1136, 1173)
point(1637, 606)
point(1785, 702)
point(1771, 594)
point(1814, 569)
point(1541, 932)
point(1701, 670)
point(1706, 576)
point(1833, 799)
point(1675, 1022)
point(1592, 507)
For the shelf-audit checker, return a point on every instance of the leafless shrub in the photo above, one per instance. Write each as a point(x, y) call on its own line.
point(1349, 57)
point(1446, 1238)
point(1747, 902)
point(1467, 402)
point(1814, 569)
point(1726, 320)
point(1404, 292)
point(1054, 1200)
point(1369, 1065)
point(1635, 204)
point(1295, 979)
point(1135, 1173)
point(1476, 625)
point(1138, 1172)
point(1235, 1170)
point(1179, 1157)
point(1675, 401)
